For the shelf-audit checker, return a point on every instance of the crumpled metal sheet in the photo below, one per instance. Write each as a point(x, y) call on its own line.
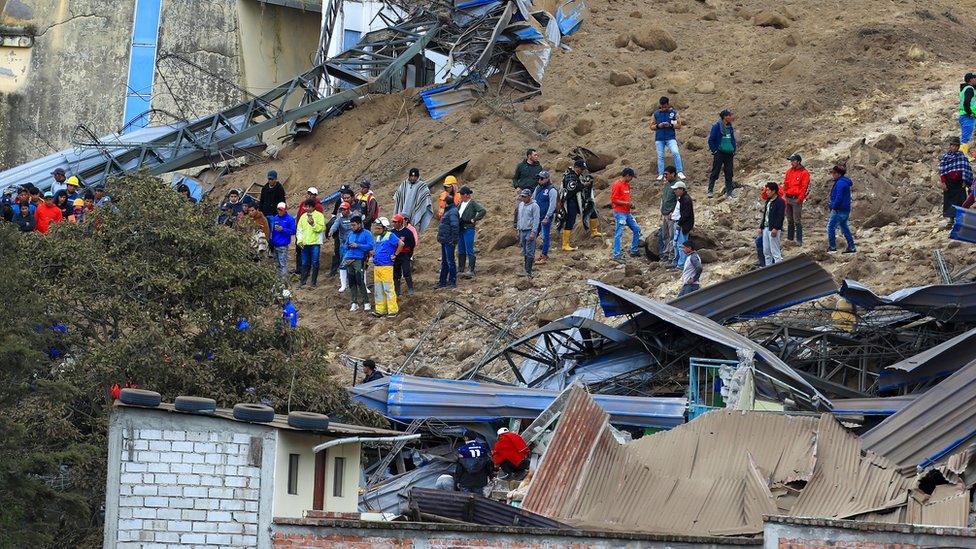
point(390, 496)
point(946, 302)
point(535, 58)
point(964, 227)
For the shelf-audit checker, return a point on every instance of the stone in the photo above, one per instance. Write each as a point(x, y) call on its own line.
point(654, 39)
point(408, 344)
point(636, 14)
point(551, 119)
point(709, 15)
point(506, 240)
point(708, 256)
point(781, 61)
point(791, 40)
point(648, 71)
point(705, 87)
point(621, 41)
point(881, 218)
point(583, 126)
point(678, 80)
point(467, 349)
point(889, 143)
point(620, 78)
point(772, 19)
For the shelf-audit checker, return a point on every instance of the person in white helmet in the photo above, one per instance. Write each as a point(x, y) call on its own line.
point(510, 454)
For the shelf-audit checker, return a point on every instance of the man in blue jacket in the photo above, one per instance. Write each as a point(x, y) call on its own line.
point(282, 229)
point(721, 143)
point(448, 232)
point(840, 209)
point(358, 244)
point(774, 211)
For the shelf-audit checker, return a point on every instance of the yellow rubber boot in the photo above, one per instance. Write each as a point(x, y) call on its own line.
point(595, 228)
point(566, 246)
point(965, 149)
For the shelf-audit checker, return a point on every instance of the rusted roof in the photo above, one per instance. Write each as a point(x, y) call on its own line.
point(476, 509)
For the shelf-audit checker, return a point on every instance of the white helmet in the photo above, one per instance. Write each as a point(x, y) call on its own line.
point(286, 293)
point(502, 431)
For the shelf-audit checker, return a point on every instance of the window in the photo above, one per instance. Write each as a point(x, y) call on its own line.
point(350, 38)
point(338, 474)
point(293, 474)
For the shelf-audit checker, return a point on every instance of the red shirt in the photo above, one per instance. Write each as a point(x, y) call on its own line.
point(44, 215)
point(795, 182)
point(620, 192)
point(510, 447)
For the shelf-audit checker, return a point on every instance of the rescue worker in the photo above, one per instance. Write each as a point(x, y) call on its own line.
point(547, 197)
point(510, 454)
point(450, 188)
point(470, 213)
point(385, 248)
point(577, 200)
point(402, 267)
point(796, 186)
point(473, 470)
point(370, 207)
point(527, 171)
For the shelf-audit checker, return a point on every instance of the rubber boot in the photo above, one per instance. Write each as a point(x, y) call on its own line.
point(315, 275)
point(595, 228)
point(566, 246)
point(343, 279)
point(461, 263)
point(965, 149)
point(304, 275)
point(799, 234)
point(471, 267)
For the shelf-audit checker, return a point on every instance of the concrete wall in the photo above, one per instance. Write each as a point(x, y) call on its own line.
point(800, 533)
point(349, 502)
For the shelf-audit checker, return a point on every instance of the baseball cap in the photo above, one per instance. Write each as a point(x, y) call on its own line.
point(679, 185)
point(397, 218)
point(525, 192)
point(272, 174)
point(465, 190)
point(48, 194)
point(795, 156)
point(544, 174)
point(724, 113)
point(969, 76)
point(282, 206)
point(580, 163)
point(364, 183)
point(414, 171)
point(344, 206)
point(58, 171)
point(628, 171)
point(313, 190)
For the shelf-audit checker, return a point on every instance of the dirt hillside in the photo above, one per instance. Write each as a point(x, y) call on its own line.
point(873, 84)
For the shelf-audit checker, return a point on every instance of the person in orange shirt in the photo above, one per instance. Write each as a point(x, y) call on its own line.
point(796, 186)
point(620, 200)
point(46, 213)
point(449, 181)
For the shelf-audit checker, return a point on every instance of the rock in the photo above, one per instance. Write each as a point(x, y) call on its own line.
point(649, 71)
point(467, 349)
point(523, 283)
point(889, 143)
point(768, 18)
point(677, 80)
point(631, 269)
point(636, 14)
point(705, 87)
point(506, 240)
point(781, 61)
point(708, 256)
point(709, 15)
point(583, 126)
point(916, 53)
point(551, 119)
point(621, 41)
point(613, 277)
point(654, 39)
point(409, 344)
point(693, 145)
point(881, 218)
point(791, 40)
point(618, 78)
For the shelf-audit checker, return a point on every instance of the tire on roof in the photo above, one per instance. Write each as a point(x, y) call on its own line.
point(308, 420)
point(258, 413)
point(199, 405)
point(140, 397)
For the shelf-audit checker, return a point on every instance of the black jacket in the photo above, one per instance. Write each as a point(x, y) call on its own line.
point(526, 175)
point(373, 376)
point(774, 211)
point(449, 229)
point(687, 210)
point(473, 212)
point(270, 197)
point(473, 473)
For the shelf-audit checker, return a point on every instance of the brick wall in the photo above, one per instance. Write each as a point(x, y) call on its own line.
point(822, 544)
point(188, 487)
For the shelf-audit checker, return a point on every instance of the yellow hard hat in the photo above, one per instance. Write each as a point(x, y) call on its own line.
point(450, 180)
point(78, 202)
point(73, 180)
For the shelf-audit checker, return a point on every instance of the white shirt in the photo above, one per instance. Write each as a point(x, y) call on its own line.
point(461, 208)
point(676, 214)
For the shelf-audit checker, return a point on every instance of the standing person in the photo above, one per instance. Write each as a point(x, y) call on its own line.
point(412, 199)
point(387, 246)
point(669, 200)
point(573, 200)
point(271, 194)
point(691, 270)
point(402, 260)
point(526, 224)
point(308, 235)
point(59, 180)
point(721, 143)
point(473, 470)
point(469, 214)
point(967, 111)
point(547, 197)
point(102, 199)
point(77, 211)
point(796, 186)
point(955, 177)
point(46, 213)
point(371, 208)
point(24, 201)
point(338, 240)
point(289, 313)
point(840, 209)
point(527, 171)
point(772, 224)
point(72, 186)
point(448, 232)
point(313, 194)
point(63, 203)
point(510, 454)
point(621, 203)
point(665, 123)
point(370, 371)
point(450, 192)
point(358, 245)
point(340, 229)
point(283, 227)
point(25, 220)
point(763, 197)
point(685, 222)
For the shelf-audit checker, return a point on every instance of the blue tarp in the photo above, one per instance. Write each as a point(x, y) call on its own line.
point(964, 228)
point(405, 397)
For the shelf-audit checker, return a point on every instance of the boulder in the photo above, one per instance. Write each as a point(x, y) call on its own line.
point(781, 61)
point(708, 256)
point(621, 78)
point(882, 218)
point(466, 349)
point(791, 40)
point(551, 119)
point(772, 19)
point(636, 14)
point(621, 41)
point(889, 143)
point(506, 240)
point(654, 39)
point(583, 126)
point(705, 87)
point(709, 15)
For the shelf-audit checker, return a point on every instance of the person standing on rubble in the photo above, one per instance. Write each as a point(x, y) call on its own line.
point(955, 177)
point(772, 224)
point(796, 186)
point(721, 143)
point(450, 190)
point(684, 217)
point(371, 208)
point(311, 193)
point(308, 234)
point(283, 227)
point(387, 246)
point(402, 267)
point(840, 209)
point(448, 233)
point(340, 229)
point(473, 470)
point(271, 195)
point(577, 199)
point(412, 199)
point(358, 244)
point(664, 125)
point(526, 225)
point(547, 197)
point(967, 111)
point(469, 214)
point(510, 454)
point(692, 269)
point(621, 203)
point(527, 172)
point(669, 200)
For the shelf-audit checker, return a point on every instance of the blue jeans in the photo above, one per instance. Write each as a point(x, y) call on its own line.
point(966, 125)
point(679, 251)
point(310, 256)
point(688, 288)
point(620, 220)
point(466, 242)
point(672, 145)
point(545, 229)
point(448, 265)
point(342, 257)
point(281, 260)
point(760, 252)
point(839, 218)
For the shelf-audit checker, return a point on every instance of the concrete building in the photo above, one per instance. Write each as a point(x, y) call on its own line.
point(210, 480)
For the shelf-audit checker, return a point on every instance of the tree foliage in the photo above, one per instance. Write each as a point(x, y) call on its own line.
point(149, 292)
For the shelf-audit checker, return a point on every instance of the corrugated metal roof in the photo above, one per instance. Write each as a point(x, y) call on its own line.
point(616, 301)
point(443, 100)
point(964, 227)
point(760, 292)
point(946, 302)
point(476, 509)
point(876, 406)
point(390, 496)
point(948, 505)
point(936, 362)
point(931, 428)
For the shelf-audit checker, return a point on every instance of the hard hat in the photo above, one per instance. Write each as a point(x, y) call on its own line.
point(286, 293)
point(450, 180)
point(73, 180)
point(502, 431)
point(383, 221)
point(78, 202)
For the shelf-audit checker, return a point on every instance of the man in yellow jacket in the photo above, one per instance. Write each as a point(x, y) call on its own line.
point(308, 237)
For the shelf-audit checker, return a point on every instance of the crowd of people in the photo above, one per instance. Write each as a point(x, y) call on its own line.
point(31, 210)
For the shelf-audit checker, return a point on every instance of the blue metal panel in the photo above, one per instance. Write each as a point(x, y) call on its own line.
point(964, 228)
point(142, 63)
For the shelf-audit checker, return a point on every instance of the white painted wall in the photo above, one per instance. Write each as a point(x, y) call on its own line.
point(349, 501)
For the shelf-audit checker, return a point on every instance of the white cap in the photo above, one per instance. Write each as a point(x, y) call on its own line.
point(383, 221)
point(679, 185)
point(502, 431)
point(286, 293)
point(282, 206)
point(313, 190)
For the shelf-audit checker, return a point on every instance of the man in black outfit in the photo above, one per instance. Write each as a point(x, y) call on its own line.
point(271, 194)
point(369, 368)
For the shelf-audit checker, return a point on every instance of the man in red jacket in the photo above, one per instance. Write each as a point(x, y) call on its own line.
point(796, 186)
point(46, 213)
point(510, 453)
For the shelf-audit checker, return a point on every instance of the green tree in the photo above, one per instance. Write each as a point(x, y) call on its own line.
point(150, 292)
